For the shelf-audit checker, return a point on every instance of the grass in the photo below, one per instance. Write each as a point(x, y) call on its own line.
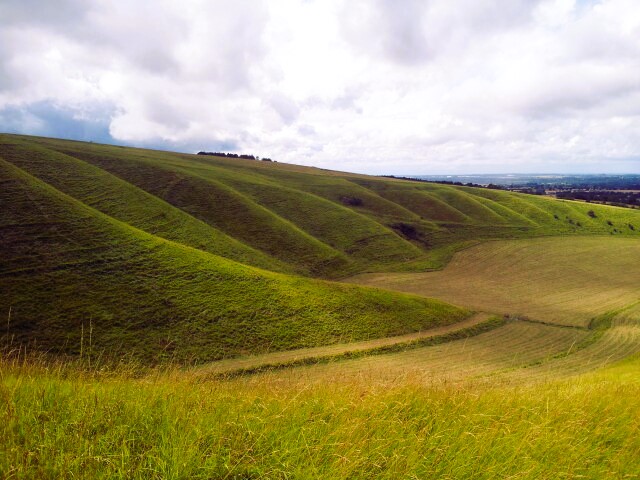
point(323, 355)
point(156, 252)
point(74, 423)
point(563, 280)
point(126, 265)
point(68, 269)
point(514, 346)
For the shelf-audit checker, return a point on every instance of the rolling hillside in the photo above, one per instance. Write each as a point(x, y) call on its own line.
point(298, 219)
point(72, 275)
point(166, 255)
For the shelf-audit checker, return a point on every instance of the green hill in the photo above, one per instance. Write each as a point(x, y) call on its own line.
point(161, 254)
point(73, 277)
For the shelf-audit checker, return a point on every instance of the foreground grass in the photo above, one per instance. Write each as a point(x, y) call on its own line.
point(68, 422)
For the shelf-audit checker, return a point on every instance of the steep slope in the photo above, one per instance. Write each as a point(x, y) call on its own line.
point(122, 201)
point(73, 278)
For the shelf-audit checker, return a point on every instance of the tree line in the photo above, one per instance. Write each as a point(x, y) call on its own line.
point(235, 155)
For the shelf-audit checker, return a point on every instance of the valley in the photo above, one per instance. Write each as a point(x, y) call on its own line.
point(189, 316)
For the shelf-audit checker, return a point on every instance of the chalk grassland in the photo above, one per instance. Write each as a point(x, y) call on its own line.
point(515, 345)
point(71, 275)
point(176, 257)
point(168, 255)
point(615, 339)
point(311, 221)
point(68, 422)
point(557, 280)
point(448, 411)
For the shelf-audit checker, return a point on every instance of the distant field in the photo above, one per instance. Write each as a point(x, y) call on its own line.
point(513, 346)
point(559, 280)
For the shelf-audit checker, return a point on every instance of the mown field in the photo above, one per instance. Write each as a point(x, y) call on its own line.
point(557, 280)
point(518, 353)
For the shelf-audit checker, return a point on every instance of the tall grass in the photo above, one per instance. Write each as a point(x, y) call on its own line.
point(68, 421)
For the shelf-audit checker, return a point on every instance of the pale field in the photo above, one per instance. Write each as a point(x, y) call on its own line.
point(518, 353)
point(514, 346)
point(559, 280)
point(620, 341)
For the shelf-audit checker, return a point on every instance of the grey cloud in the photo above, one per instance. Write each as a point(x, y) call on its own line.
point(163, 112)
point(348, 100)
point(306, 130)
point(462, 83)
point(286, 108)
point(58, 14)
point(390, 29)
point(47, 119)
point(411, 32)
point(194, 145)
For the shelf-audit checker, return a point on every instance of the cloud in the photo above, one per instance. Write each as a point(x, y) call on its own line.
point(49, 120)
point(372, 86)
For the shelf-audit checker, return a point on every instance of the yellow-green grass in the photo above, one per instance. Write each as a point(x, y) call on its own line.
point(563, 280)
point(616, 342)
point(73, 277)
point(521, 352)
point(60, 421)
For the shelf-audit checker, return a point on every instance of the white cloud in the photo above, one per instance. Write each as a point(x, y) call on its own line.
point(376, 86)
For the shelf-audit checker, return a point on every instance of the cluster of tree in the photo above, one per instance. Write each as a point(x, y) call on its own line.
point(614, 197)
point(235, 155)
point(530, 190)
point(589, 182)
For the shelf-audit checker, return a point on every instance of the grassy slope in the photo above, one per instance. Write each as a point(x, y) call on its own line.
point(122, 201)
point(69, 270)
point(280, 217)
point(301, 215)
point(88, 259)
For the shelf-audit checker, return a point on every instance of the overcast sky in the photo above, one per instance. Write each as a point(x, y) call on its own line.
point(374, 86)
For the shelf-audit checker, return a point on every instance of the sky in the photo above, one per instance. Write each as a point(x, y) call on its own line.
point(409, 87)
